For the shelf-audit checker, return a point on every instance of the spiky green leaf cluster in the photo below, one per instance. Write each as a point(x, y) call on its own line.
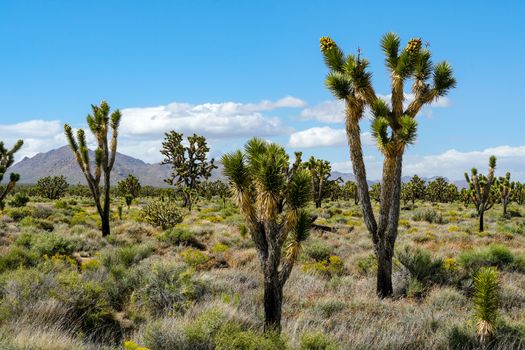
point(486, 301)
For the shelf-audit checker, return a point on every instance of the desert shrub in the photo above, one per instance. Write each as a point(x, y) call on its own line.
point(168, 289)
point(18, 214)
point(48, 243)
point(125, 256)
point(428, 215)
point(367, 265)
point(181, 236)
point(42, 211)
point(233, 337)
point(330, 307)
point(61, 204)
point(493, 255)
point(16, 257)
point(19, 200)
point(421, 266)
point(219, 248)
point(165, 214)
point(194, 257)
point(317, 251)
point(316, 341)
point(331, 267)
point(89, 305)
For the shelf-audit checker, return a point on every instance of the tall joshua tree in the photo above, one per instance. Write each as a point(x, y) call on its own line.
point(393, 126)
point(504, 188)
point(99, 122)
point(7, 158)
point(320, 171)
point(261, 179)
point(481, 191)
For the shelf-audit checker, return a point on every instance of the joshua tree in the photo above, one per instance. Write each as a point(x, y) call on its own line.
point(7, 158)
point(52, 187)
point(518, 194)
point(437, 190)
point(481, 192)
point(260, 179)
point(189, 163)
point(393, 127)
point(375, 192)
point(504, 189)
point(129, 186)
point(415, 189)
point(350, 191)
point(486, 302)
point(99, 123)
point(320, 171)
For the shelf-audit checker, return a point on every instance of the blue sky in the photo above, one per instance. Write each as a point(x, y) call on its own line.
point(180, 63)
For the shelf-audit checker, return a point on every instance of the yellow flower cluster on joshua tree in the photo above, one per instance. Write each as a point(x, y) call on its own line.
point(326, 43)
point(414, 45)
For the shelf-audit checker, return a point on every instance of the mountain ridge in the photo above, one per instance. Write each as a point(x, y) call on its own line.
point(61, 161)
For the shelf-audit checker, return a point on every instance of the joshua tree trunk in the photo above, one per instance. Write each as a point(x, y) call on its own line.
point(358, 166)
point(273, 299)
point(481, 213)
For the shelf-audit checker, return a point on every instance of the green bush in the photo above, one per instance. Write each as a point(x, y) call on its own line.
point(16, 257)
point(367, 265)
point(48, 243)
point(317, 251)
point(421, 266)
point(493, 255)
point(19, 200)
point(168, 289)
point(233, 337)
point(125, 256)
point(316, 341)
point(18, 214)
point(428, 215)
point(165, 214)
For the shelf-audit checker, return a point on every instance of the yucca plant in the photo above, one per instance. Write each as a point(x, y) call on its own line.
point(486, 302)
point(272, 197)
point(504, 188)
point(7, 158)
point(320, 171)
point(99, 122)
point(393, 126)
point(481, 191)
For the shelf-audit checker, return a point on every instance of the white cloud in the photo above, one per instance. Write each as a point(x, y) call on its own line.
point(38, 136)
point(218, 120)
point(142, 129)
point(324, 137)
point(333, 111)
point(451, 164)
point(327, 112)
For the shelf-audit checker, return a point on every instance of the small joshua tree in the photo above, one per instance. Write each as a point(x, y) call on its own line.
point(486, 302)
point(260, 179)
point(320, 171)
point(129, 189)
point(52, 187)
point(518, 194)
point(189, 163)
point(504, 189)
point(481, 192)
point(99, 122)
point(7, 158)
point(415, 189)
point(437, 189)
